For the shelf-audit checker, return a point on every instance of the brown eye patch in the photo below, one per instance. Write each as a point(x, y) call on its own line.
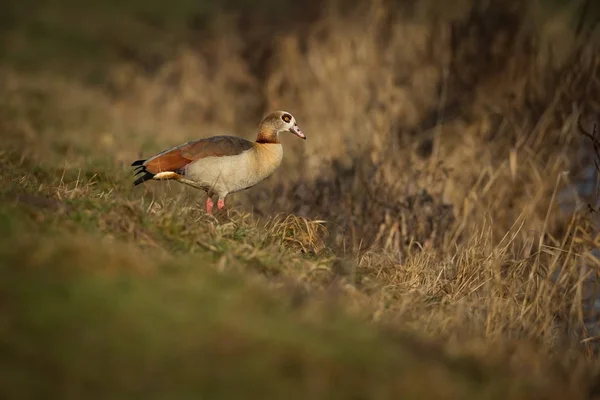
point(286, 118)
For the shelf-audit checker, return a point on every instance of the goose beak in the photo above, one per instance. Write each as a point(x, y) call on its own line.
point(296, 131)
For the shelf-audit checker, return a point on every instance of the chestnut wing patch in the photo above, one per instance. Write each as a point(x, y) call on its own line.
point(178, 157)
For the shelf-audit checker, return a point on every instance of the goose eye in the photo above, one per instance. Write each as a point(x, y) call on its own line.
point(286, 118)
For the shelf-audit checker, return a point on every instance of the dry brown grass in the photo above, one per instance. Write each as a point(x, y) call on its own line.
point(426, 197)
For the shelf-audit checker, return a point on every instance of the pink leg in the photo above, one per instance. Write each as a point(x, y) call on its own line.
point(209, 205)
point(220, 204)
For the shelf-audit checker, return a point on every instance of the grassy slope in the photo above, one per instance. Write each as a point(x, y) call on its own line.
point(112, 291)
point(87, 318)
point(104, 298)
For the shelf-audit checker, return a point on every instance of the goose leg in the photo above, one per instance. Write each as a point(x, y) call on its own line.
point(220, 203)
point(209, 205)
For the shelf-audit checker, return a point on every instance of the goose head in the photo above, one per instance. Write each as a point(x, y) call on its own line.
point(275, 123)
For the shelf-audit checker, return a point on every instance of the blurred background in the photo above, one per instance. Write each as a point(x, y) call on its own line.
point(446, 184)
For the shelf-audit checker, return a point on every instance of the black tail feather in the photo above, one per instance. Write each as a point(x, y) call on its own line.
point(143, 178)
point(141, 169)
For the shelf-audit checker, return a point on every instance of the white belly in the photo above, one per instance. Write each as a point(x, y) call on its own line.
point(229, 174)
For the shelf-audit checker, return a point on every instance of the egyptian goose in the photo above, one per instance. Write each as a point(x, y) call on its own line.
point(222, 164)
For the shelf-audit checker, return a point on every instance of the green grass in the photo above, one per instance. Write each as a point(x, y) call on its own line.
point(86, 318)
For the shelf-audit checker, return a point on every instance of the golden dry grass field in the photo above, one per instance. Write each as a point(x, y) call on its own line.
point(434, 238)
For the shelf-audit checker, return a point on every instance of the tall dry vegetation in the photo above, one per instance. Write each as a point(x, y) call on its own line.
point(437, 147)
point(449, 131)
point(477, 108)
